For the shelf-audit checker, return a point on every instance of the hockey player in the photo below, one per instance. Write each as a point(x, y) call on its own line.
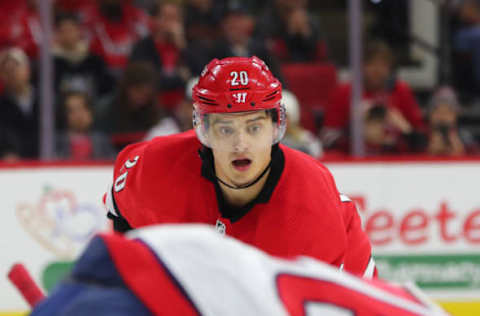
point(192, 270)
point(235, 175)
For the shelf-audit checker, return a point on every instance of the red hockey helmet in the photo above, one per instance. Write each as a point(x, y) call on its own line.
point(233, 85)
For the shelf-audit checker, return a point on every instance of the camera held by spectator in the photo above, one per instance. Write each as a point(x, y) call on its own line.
point(445, 138)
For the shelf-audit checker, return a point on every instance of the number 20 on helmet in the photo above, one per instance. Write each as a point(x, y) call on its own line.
point(237, 85)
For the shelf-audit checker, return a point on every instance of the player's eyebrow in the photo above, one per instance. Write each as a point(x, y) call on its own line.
point(220, 121)
point(256, 119)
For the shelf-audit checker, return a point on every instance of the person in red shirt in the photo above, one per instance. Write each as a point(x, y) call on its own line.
point(233, 174)
point(402, 112)
point(114, 27)
point(167, 48)
point(20, 26)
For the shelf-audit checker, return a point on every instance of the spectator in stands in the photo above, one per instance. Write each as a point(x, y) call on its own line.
point(167, 49)
point(146, 5)
point(20, 26)
point(183, 113)
point(9, 146)
point(134, 109)
point(79, 141)
point(381, 88)
point(11, 27)
point(237, 38)
point(75, 67)
point(202, 20)
point(74, 5)
point(114, 26)
point(181, 121)
point(293, 34)
point(296, 136)
point(445, 137)
point(385, 131)
point(19, 103)
point(466, 48)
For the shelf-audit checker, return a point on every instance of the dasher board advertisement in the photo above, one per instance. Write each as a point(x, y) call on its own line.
point(423, 220)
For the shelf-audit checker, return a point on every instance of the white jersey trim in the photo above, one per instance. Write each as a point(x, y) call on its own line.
point(344, 198)
point(422, 297)
point(370, 269)
point(109, 202)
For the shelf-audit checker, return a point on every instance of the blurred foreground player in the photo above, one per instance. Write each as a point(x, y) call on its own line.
point(192, 270)
point(235, 175)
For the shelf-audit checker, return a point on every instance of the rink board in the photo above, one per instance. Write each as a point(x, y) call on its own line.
point(423, 219)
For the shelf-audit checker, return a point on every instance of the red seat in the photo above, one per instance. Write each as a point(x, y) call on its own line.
point(311, 83)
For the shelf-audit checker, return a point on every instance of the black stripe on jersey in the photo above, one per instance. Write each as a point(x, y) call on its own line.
point(120, 224)
point(234, 213)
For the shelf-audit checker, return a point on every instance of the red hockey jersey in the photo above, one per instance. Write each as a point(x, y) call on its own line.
point(160, 182)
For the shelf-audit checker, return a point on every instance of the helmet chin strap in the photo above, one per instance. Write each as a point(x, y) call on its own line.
point(247, 185)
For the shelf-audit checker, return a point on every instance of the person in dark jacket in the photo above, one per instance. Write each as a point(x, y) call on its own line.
point(292, 33)
point(237, 40)
point(9, 146)
point(167, 48)
point(19, 103)
point(76, 68)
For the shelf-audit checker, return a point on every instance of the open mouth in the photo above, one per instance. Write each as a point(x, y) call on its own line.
point(241, 164)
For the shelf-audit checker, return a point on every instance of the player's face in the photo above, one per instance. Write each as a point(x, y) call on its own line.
point(68, 34)
point(79, 116)
point(241, 145)
point(376, 72)
point(443, 114)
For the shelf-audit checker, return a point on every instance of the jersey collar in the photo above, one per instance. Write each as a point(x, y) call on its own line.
point(229, 211)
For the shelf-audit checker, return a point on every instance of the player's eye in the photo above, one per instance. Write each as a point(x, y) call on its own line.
point(226, 130)
point(254, 129)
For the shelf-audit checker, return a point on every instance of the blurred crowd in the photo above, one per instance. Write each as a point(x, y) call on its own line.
point(123, 72)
